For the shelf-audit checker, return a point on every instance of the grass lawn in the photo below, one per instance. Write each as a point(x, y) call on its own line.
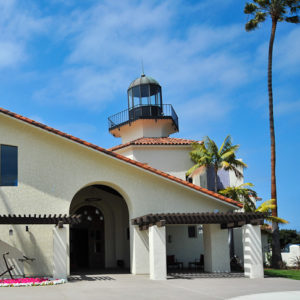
point(292, 274)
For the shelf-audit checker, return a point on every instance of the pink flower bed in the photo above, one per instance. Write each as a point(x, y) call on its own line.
point(23, 280)
point(30, 282)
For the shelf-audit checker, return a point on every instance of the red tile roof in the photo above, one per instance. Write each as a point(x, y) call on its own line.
point(120, 157)
point(155, 141)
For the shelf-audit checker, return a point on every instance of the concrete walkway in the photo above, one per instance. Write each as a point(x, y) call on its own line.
point(126, 286)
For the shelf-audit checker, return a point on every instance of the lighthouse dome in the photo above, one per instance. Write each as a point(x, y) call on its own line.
point(143, 80)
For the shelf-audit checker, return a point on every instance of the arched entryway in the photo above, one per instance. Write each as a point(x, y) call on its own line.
point(101, 241)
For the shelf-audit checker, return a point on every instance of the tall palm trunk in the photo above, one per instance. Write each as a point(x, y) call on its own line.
point(276, 251)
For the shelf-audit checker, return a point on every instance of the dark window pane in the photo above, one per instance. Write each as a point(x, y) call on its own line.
point(154, 89)
point(145, 90)
point(136, 91)
point(9, 165)
point(192, 231)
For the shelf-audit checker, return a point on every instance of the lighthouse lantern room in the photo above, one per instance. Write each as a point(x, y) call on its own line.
point(146, 115)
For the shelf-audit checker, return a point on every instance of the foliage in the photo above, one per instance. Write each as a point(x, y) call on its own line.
point(278, 10)
point(291, 274)
point(268, 206)
point(241, 193)
point(208, 154)
point(288, 236)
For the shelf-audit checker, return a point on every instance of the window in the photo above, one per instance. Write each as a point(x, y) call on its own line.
point(8, 165)
point(189, 179)
point(192, 231)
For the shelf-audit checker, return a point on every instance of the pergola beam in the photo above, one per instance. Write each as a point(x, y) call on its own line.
point(28, 219)
point(226, 220)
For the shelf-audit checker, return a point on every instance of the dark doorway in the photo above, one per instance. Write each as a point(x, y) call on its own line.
point(87, 241)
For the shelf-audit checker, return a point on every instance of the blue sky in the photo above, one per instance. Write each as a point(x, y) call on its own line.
point(68, 64)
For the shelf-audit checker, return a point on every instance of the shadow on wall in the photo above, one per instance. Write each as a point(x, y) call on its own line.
point(41, 264)
point(12, 259)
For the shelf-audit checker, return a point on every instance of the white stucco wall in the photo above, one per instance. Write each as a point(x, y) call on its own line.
point(157, 253)
point(216, 248)
point(185, 249)
point(12, 259)
point(52, 170)
point(172, 159)
point(292, 258)
point(144, 128)
point(35, 243)
point(253, 260)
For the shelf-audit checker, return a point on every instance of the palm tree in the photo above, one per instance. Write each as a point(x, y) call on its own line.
point(245, 195)
point(278, 11)
point(241, 193)
point(207, 154)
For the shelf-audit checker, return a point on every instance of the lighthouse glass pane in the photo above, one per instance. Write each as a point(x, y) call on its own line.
point(154, 90)
point(145, 94)
point(130, 98)
point(136, 95)
point(9, 165)
point(145, 90)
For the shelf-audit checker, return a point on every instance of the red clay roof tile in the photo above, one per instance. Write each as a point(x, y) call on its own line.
point(155, 141)
point(121, 157)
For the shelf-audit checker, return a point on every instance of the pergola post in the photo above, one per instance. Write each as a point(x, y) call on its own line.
point(157, 253)
point(216, 248)
point(140, 251)
point(253, 260)
point(60, 252)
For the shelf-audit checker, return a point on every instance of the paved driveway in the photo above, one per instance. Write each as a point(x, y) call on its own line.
point(126, 286)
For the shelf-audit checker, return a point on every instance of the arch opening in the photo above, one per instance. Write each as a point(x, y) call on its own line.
point(101, 241)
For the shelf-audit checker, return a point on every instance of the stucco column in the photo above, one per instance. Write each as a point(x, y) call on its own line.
point(60, 252)
point(216, 248)
point(140, 251)
point(253, 260)
point(157, 253)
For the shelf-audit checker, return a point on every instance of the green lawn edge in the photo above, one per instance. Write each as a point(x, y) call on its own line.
point(290, 274)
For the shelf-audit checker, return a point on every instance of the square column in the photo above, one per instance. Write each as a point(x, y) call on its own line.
point(157, 253)
point(253, 260)
point(216, 248)
point(60, 252)
point(139, 251)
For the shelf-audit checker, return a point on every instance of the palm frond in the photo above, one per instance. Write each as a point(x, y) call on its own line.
point(250, 8)
point(192, 169)
point(267, 206)
point(225, 145)
point(277, 220)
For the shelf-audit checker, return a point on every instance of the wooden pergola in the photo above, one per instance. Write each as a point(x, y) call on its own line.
point(226, 220)
point(58, 220)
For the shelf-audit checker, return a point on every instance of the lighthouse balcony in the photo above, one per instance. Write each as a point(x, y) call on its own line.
point(164, 111)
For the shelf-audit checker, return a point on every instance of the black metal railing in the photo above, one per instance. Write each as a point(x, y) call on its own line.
point(143, 112)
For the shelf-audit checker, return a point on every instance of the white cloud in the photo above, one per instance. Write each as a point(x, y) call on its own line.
point(18, 25)
point(108, 41)
point(11, 54)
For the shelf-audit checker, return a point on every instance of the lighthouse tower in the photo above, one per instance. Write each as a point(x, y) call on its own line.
point(146, 115)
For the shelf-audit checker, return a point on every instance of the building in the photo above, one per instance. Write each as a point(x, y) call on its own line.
point(76, 207)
